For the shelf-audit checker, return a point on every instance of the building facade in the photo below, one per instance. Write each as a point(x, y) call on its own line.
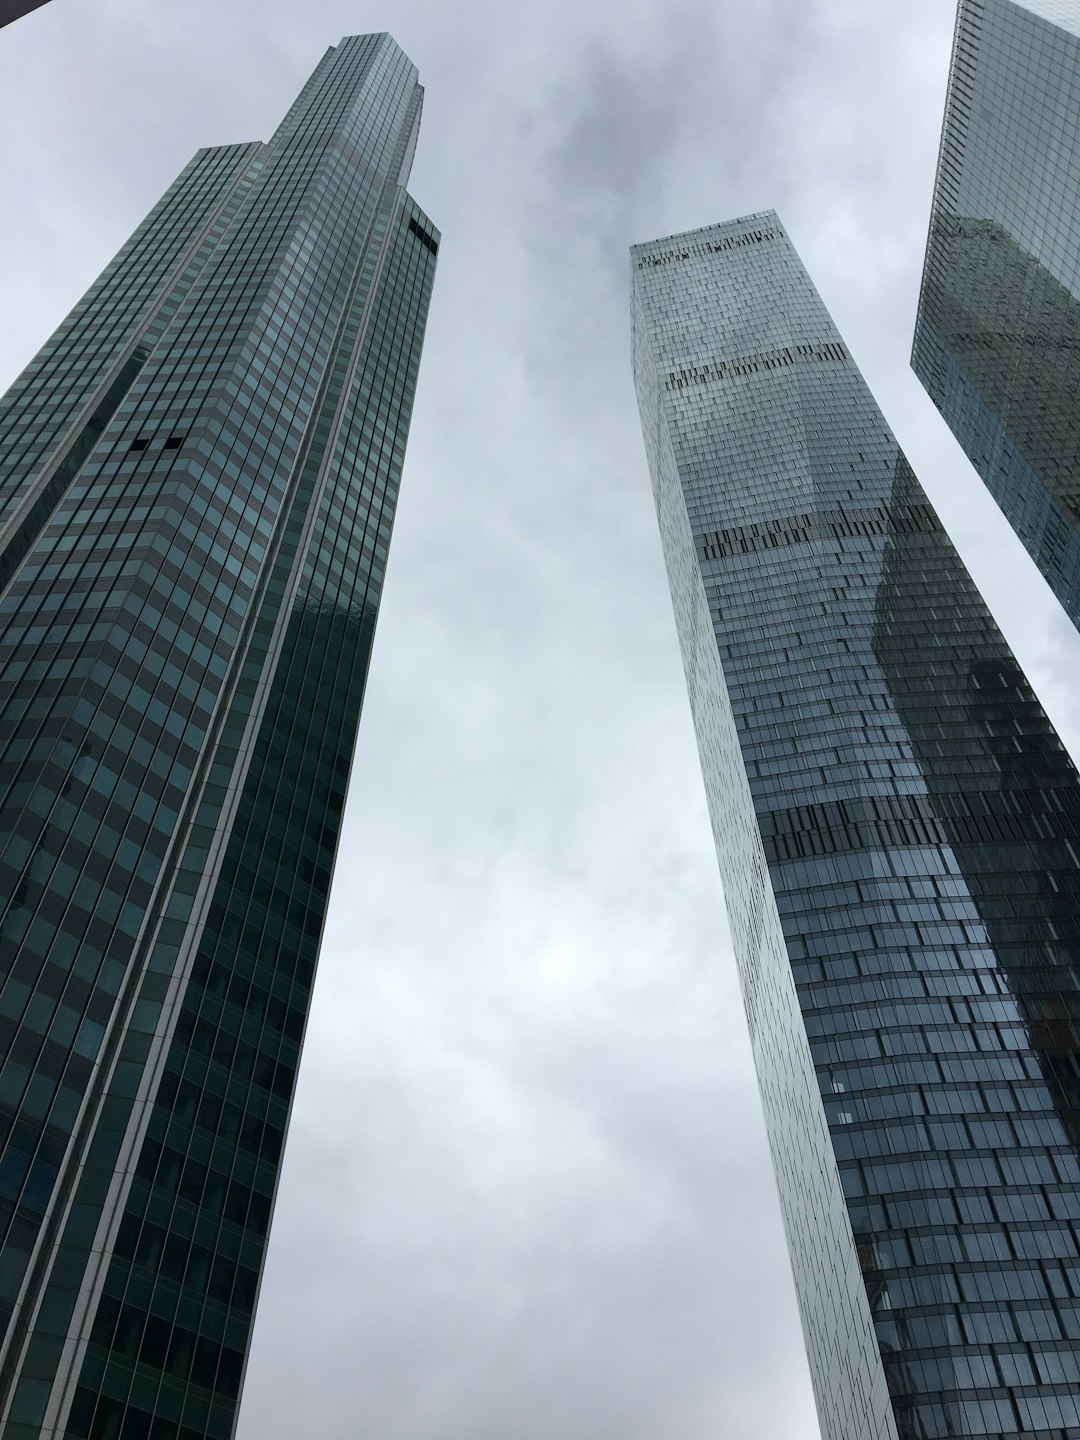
point(997, 337)
point(198, 478)
point(898, 830)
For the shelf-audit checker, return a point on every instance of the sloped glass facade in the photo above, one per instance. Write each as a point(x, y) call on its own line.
point(997, 337)
point(898, 828)
point(201, 476)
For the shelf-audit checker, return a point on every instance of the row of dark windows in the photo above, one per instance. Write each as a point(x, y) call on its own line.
point(890, 834)
point(184, 1104)
point(707, 247)
point(424, 236)
point(167, 1255)
point(188, 1179)
point(1061, 802)
point(797, 529)
point(93, 1414)
point(752, 364)
point(185, 1354)
point(141, 442)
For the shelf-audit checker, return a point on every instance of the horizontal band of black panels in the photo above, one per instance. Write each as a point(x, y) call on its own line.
point(871, 521)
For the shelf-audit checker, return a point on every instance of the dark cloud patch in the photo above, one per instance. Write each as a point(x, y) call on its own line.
point(616, 126)
point(618, 134)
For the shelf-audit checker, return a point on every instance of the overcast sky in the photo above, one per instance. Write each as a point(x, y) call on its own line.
point(526, 1193)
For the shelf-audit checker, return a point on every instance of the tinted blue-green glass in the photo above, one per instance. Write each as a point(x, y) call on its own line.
point(997, 338)
point(898, 828)
point(186, 642)
point(56, 410)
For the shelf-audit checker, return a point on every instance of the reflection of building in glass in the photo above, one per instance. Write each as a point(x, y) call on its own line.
point(198, 480)
point(1028, 796)
point(997, 339)
point(898, 829)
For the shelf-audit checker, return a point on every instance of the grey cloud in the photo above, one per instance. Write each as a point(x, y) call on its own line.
point(617, 126)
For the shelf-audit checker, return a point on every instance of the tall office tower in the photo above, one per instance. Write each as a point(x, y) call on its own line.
point(898, 830)
point(199, 476)
point(997, 338)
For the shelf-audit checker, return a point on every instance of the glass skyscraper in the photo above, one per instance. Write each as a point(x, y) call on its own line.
point(898, 830)
point(198, 477)
point(997, 338)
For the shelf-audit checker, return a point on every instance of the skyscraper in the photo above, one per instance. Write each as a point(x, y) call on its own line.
point(199, 477)
point(898, 830)
point(997, 338)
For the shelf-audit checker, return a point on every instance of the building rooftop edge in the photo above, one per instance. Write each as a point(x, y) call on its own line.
point(718, 227)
